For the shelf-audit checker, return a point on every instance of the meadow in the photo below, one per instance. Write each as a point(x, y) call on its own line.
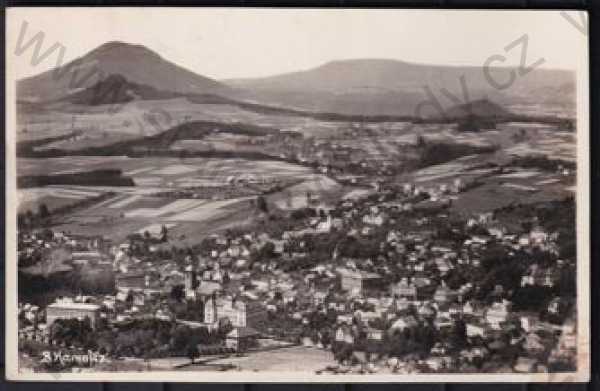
point(137, 208)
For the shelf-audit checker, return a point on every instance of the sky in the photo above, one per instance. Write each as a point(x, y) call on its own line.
point(240, 43)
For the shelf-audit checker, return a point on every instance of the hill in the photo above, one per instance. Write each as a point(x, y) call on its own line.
point(392, 87)
point(381, 89)
point(116, 89)
point(136, 63)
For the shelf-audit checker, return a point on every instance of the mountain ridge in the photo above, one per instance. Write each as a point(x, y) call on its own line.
point(361, 87)
point(390, 86)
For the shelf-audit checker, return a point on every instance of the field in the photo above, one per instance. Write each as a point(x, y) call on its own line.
point(30, 199)
point(126, 214)
point(139, 209)
point(494, 189)
point(105, 124)
point(495, 193)
point(321, 189)
point(167, 169)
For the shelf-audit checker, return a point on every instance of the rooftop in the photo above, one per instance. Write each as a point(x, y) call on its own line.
point(75, 306)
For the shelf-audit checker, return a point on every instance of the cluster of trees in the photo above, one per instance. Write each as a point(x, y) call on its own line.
point(542, 162)
point(147, 338)
point(43, 289)
point(432, 153)
point(27, 148)
point(104, 177)
point(29, 220)
point(418, 341)
point(476, 124)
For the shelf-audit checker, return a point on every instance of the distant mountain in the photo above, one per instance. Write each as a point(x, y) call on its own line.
point(116, 89)
point(364, 87)
point(136, 63)
point(391, 87)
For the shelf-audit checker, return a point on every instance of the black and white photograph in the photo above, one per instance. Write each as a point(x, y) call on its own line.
point(297, 195)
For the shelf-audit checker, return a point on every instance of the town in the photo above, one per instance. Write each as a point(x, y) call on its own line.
point(392, 280)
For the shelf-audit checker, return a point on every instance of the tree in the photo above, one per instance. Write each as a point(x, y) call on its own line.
point(192, 351)
point(29, 218)
point(180, 338)
point(43, 211)
point(164, 234)
point(261, 204)
point(458, 337)
point(178, 293)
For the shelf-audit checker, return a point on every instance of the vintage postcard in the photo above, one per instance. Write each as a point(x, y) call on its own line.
point(297, 195)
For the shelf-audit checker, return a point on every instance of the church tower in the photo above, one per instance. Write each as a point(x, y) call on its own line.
point(190, 278)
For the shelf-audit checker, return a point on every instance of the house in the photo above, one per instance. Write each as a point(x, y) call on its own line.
point(444, 294)
point(538, 276)
point(401, 304)
point(343, 335)
point(393, 237)
point(139, 298)
point(344, 319)
point(374, 219)
point(122, 296)
point(132, 281)
point(497, 232)
point(538, 236)
point(366, 316)
point(404, 289)
point(217, 309)
point(67, 309)
point(207, 289)
point(476, 329)
point(437, 363)
point(89, 256)
point(319, 297)
point(528, 322)
point(455, 310)
point(261, 285)
point(568, 339)
point(439, 349)
point(426, 310)
point(357, 281)
point(533, 344)
point(556, 306)
point(443, 323)
point(31, 312)
point(241, 339)
point(374, 340)
point(497, 314)
point(485, 218)
point(406, 322)
point(374, 334)
point(324, 226)
point(473, 354)
point(443, 265)
point(525, 365)
point(289, 296)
